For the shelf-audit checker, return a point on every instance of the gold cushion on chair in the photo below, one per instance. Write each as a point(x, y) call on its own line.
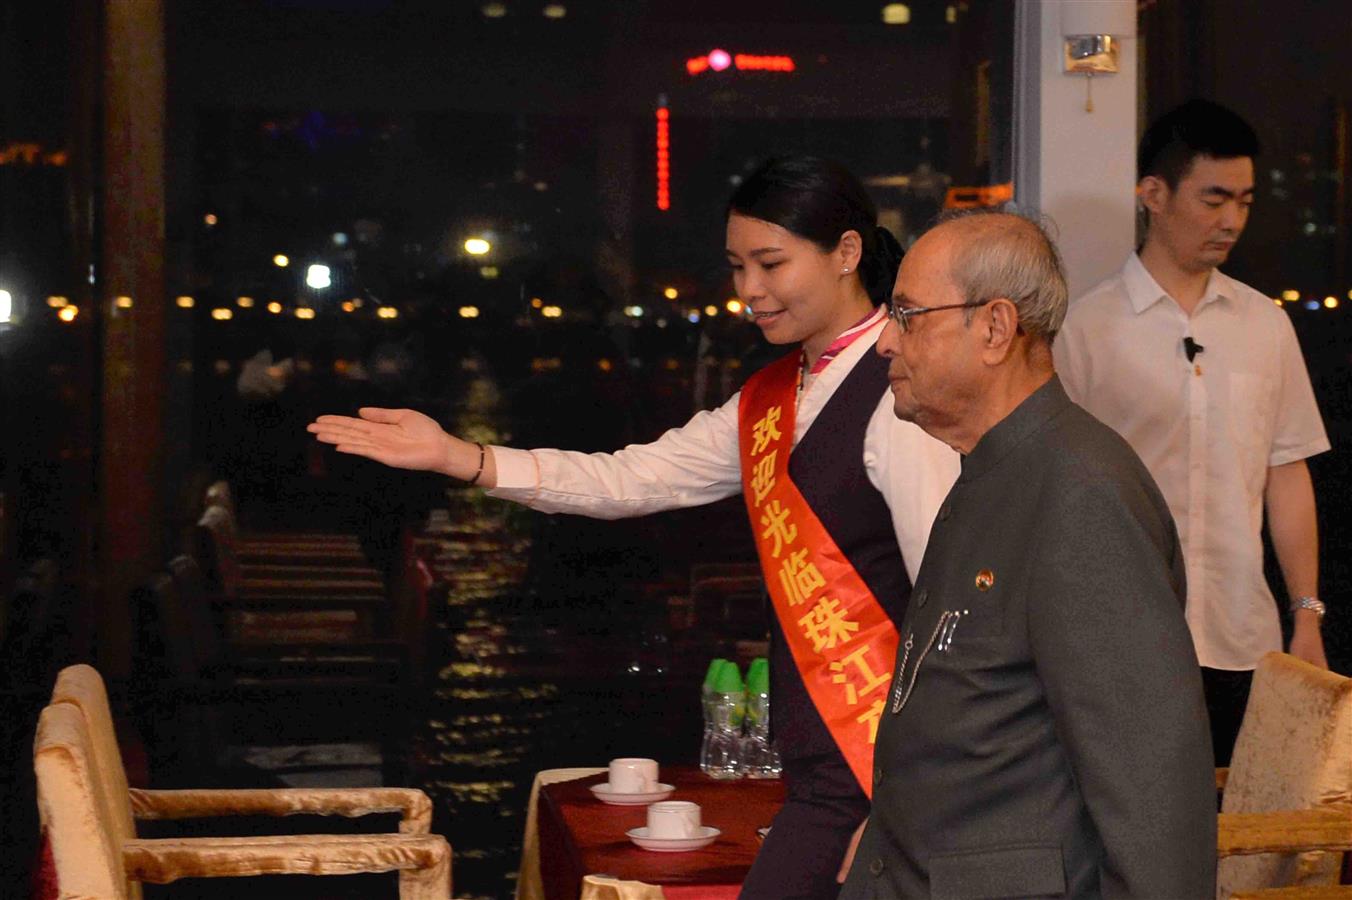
point(73, 813)
point(82, 687)
point(1294, 751)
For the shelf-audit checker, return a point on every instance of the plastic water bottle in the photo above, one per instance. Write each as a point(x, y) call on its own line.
point(727, 705)
point(759, 759)
point(706, 701)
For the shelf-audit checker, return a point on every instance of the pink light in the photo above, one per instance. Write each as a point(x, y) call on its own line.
point(722, 60)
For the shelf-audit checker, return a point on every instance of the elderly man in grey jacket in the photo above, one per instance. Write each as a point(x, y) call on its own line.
point(1045, 733)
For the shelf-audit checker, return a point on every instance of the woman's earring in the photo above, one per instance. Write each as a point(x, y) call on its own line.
point(845, 271)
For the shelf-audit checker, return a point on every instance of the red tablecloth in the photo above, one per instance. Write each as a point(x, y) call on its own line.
point(580, 835)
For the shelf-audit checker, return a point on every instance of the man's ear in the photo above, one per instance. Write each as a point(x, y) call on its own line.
point(850, 250)
point(1154, 193)
point(1001, 327)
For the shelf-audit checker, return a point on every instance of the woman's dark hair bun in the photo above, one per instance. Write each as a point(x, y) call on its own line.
point(879, 268)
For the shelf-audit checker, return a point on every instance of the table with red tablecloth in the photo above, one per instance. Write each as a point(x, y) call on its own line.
point(580, 835)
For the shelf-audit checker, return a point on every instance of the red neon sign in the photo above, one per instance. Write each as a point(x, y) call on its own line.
point(663, 159)
point(719, 60)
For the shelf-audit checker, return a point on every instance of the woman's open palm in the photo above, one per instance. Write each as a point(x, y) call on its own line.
point(403, 438)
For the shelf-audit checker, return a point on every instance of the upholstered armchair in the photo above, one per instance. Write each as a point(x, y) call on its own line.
point(89, 816)
point(1286, 811)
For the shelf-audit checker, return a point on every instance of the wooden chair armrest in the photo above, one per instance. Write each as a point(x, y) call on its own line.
point(1222, 776)
point(1322, 828)
point(414, 807)
point(370, 647)
point(285, 600)
point(1305, 892)
point(423, 860)
point(728, 584)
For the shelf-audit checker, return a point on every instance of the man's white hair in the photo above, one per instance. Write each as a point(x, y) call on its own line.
point(1011, 254)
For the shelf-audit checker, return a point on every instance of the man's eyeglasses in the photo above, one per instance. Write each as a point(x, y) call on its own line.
point(903, 316)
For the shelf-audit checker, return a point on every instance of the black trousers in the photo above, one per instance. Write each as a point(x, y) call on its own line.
point(806, 844)
point(1227, 694)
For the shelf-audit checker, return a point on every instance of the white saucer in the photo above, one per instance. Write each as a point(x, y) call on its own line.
point(707, 835)
point(606, 795)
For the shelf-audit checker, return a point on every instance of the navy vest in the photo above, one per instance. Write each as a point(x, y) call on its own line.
point(828, 468)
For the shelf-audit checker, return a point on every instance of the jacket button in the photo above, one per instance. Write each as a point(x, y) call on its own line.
point(877, 775)
point(876, 867)
point(921, 597)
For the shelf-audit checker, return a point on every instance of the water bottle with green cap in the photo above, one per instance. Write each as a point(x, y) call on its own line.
point(758, 757)
point(727, 705)
point(706, 702)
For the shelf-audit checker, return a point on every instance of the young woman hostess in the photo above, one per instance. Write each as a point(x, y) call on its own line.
point(840, 493)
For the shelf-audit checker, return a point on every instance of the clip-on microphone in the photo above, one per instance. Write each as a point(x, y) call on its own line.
point(1191, 348)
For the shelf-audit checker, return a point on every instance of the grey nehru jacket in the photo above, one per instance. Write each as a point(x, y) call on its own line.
point(1045, 734)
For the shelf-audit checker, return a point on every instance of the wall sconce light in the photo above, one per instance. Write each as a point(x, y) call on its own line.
point(1093, 34)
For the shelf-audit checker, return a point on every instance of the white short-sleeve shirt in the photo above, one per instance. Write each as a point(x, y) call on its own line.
point(1208, 430)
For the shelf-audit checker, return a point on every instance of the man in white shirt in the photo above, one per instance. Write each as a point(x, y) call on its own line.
point(1204, 377)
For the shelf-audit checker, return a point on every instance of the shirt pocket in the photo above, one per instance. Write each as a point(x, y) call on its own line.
point(1248, 416)
point(979, 598)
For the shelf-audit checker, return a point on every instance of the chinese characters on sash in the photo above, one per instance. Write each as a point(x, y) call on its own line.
point(841, 639)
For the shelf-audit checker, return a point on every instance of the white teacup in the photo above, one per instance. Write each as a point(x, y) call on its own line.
point(632, 775)
point(673, 819)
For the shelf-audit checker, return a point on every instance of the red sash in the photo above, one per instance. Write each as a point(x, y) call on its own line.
point(841, 640)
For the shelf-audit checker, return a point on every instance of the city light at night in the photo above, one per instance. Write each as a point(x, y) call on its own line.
point(68, 313)
point(476, 246)
point(663, 158)
point(318, 276)
point(185, 302)
point(896, 14)
point(722, 60)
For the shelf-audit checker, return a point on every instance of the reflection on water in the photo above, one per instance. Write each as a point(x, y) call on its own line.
point(547, 659)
